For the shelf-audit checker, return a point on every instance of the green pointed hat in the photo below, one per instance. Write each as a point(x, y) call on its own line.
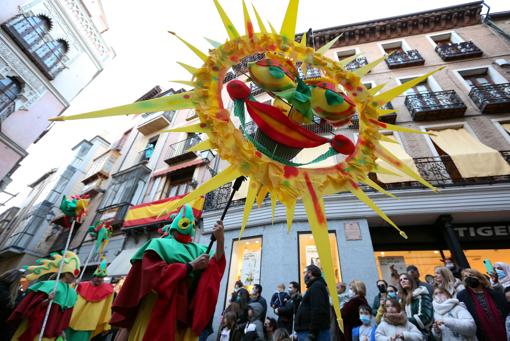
point(101, 269)
point(183, 222)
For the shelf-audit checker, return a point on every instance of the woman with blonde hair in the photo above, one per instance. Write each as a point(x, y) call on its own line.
point(487, 306)
point(417, 303)
point(444, 278)
point(350, 310)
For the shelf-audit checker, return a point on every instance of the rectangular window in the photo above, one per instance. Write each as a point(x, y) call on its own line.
point(308, 255)
point(245, 264)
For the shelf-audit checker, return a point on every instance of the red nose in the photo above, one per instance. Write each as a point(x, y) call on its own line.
point(238, 90)
point(342, 144)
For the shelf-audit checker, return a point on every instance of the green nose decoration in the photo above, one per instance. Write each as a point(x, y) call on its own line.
point(333, 98)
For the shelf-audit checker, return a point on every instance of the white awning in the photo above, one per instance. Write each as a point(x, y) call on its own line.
point(121, 264)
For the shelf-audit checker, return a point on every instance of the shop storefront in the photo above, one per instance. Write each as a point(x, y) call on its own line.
point(427, 246)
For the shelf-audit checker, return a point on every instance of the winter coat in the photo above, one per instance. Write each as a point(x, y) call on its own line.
point(420, 312)
point(263, 302)
point(386, 330)
point(254, 329)
point(350, 314)
point(235, 335)
point(356, 331)
point(458, 322)
point(278, 300)
point(313, 312)
point(499, 300)
point(287, 312)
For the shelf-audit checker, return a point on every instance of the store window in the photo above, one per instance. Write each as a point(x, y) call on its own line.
point(308, 255)
point(245, 264)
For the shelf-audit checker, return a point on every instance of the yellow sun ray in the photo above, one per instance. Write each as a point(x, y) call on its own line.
point(362, 196)
point(376, 88)
point(303, 40)
point(362, 71)
point(393, 127)
point(189, 68)
point(204, 145)
point(231, 30)
point(165, 103)
point(261, 195)
point(381, 111)
point(262, 28)
point(290, 206)
point(199, 53)
point(377, 187)
point(314, 206)
point(253, 189)
point(343, 63)
point(193, 128)
point(388, 139)
point(214, 43)
point(273, 30)
point(190, 83)
point(288, 29)
point(248, 24)
point(387, 96)
point(381, 170)
point(387, 156)
point(229, 174)
point(326, 47)
point(273, 206)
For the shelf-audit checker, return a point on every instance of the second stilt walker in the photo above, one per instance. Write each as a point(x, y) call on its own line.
point(92, 311)
point(171, 290)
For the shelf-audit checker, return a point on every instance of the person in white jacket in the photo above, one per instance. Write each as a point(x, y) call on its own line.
point(394, 325)
point(452, 321)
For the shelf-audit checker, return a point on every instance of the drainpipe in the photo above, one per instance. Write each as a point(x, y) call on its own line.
point(452, 241)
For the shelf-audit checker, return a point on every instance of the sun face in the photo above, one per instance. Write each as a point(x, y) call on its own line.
point(333, 98)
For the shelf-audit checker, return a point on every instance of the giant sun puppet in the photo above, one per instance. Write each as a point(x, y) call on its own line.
point(334, 97)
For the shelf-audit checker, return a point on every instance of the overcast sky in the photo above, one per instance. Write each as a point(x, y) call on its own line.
point(147, 55)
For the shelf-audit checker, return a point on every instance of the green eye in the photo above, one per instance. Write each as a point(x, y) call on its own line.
point(276, 72)
point(333, 98)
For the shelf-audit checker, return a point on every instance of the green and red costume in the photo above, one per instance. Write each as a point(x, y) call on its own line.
point(184, 300)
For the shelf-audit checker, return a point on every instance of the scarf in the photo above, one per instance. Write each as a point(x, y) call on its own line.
point(396, 319)
point(446, 306)
point(491, 325)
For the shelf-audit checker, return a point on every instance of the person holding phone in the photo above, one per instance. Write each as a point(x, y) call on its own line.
point(382, 285)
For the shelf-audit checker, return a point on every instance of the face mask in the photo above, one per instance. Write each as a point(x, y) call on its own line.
point(440, 298)
point(365, 319)
point(381, 287)
point(472, 282)
point(500, 273)
point(308, 279)
point(450, 265)
point(392, 294)
point(351, 293)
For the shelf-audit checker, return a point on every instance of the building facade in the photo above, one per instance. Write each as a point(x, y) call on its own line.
point(49, 51)
point(33, 232)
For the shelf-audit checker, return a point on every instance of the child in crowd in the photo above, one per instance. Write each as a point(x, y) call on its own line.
point(365, 332)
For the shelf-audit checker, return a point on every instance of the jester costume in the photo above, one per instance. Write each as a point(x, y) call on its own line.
point(29, 314)
point(162, 298)
point(92, 311)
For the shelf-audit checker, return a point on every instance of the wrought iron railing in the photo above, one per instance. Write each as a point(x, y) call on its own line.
point(452, 51)
point(181, 147)
point(356, 63)
point(318, 126)
point(404, 58)
point(229, 76)
point(491, 98)
point(256, 90)
point(435, 105)
point(242, 67)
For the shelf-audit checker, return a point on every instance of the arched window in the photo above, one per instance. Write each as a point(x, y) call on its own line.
point(31, 35)
point(10, 88)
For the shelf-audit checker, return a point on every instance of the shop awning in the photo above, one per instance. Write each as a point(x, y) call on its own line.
point(149, 213)
point(121, 264)
point(471, 157)
point(181, 165)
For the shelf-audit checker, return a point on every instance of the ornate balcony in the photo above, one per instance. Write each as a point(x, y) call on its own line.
point(452, 51)
point(178, 151)
point(441, 105)
point(492, 98)
point(155, 121)
point(400, 59)
point(356, 63)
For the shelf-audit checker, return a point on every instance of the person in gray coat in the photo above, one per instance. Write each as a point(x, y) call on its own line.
point(254, 329)
point(452, 321)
